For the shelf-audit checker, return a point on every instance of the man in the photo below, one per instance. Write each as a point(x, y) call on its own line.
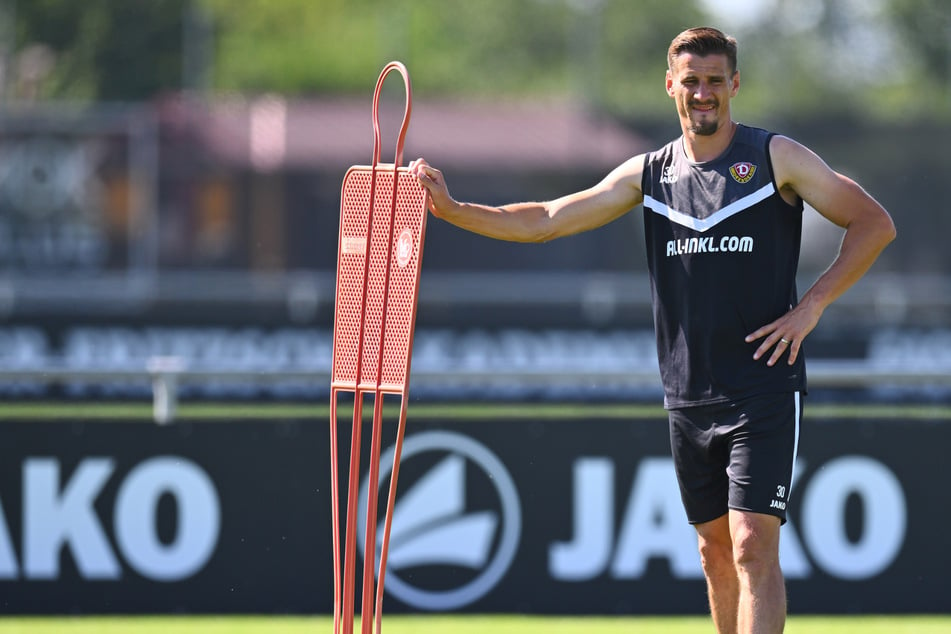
point(723, 218)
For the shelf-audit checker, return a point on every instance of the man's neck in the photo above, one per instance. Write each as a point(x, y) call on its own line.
point(703, 148)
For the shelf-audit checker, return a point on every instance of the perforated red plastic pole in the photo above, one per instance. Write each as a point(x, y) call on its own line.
point(382, 227)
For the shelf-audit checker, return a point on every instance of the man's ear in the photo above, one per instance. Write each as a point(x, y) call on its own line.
point(670, 83)
point(736, 83)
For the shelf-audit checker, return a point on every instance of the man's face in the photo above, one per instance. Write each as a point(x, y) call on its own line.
point(702, 88)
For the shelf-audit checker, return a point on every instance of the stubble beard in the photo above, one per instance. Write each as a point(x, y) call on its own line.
point(706, 128)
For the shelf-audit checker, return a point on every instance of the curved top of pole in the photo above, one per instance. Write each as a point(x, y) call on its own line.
point(399, 67)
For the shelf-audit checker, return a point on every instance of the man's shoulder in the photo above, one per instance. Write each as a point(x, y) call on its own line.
point(754, 134)
point(665, 150)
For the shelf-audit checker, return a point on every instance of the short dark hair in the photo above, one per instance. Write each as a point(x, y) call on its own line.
point(703, 41)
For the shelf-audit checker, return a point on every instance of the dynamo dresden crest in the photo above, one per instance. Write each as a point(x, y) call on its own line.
point(742, 172)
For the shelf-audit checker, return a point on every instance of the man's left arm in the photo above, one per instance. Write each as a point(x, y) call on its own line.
point(868, 230)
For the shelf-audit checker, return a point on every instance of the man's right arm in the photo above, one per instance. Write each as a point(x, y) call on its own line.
point(615, 195)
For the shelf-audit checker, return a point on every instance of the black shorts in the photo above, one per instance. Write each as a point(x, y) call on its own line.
point(736, 455)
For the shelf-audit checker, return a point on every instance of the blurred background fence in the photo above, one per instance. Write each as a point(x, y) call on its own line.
point(170, 176)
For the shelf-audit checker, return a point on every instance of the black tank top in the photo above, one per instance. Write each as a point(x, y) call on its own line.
point(722, 250)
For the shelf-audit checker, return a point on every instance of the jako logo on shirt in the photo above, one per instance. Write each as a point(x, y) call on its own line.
point(669, 176)
point(742, 172)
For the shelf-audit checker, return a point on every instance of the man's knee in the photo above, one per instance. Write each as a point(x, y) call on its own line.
point(755, 540)
point(716, 557)
point(716, 547)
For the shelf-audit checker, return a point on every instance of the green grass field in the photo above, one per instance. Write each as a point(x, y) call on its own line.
point(462, 625)
point(427, 411)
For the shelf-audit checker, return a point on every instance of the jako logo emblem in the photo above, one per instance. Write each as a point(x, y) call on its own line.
point(404, 248)
point(669, 175)
point(742, 172)
point(443, 521)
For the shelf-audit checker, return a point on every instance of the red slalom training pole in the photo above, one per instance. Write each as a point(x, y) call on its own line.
point(379, 257)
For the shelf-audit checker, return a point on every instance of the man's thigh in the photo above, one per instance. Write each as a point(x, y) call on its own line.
point(736, 455)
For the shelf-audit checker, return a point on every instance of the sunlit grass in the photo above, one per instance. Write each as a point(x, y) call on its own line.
point(460, 624)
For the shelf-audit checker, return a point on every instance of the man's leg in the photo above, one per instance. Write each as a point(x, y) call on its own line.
point(762, 592)
point(716, 555)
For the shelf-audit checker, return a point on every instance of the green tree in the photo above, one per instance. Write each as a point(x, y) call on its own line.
point(924, 27)
point(609, 53)
point(105, 49)
point(887, 58)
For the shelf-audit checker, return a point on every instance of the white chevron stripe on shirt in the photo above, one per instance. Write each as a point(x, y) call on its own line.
point(714, 219)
